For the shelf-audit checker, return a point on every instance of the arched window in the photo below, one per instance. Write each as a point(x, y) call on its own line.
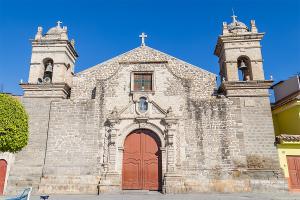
point(48, 70)
point(143, 104)
point(244, 68)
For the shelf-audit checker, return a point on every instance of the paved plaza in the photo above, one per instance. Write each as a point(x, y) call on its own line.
point(159, 196)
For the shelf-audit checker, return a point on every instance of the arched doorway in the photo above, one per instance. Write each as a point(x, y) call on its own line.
point(141, 161)
point(3, 166)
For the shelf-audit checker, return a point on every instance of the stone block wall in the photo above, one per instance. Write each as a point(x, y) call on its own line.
point(28, 166)
point(259, 133)
point(73, 148)
point(226, 151)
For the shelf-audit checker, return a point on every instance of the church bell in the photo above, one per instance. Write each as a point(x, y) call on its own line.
point(49, 68)
point(242, 66)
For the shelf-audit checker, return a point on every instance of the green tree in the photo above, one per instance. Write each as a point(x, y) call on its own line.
point(13, 124)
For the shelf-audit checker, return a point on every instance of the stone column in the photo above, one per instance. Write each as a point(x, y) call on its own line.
point(113, 131)
point(172, 179)
point(110, 178)
point(170, 133)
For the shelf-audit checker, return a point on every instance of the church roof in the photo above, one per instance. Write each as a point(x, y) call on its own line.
point(145, 54)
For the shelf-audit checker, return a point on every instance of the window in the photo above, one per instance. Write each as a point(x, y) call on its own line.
point(142, 82)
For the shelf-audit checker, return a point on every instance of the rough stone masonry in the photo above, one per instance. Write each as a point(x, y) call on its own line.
point(212, 139)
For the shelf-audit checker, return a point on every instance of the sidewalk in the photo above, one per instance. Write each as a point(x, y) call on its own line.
point(159, 196)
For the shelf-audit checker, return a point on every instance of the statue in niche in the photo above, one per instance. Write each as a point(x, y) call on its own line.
point(143, 105)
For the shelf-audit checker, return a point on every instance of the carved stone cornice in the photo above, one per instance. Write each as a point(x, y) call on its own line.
point(236, 38)
point(53, 90)
point(244, 88)
point(59, 43)
point(235, 61)
point(113, 121)
point(141, 119)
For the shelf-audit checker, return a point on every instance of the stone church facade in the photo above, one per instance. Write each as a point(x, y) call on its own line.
point(146, 120)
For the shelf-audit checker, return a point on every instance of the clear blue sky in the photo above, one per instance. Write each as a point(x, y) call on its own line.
point(186, 29)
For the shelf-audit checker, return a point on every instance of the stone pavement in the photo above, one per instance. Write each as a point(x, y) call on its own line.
point(159, 196)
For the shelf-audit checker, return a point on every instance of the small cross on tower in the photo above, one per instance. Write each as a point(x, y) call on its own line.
point(143, 36)
point(233, 16)
point(58, 23)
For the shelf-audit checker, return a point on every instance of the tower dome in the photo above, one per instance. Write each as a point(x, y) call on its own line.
point(236, 26)
point(57, 33)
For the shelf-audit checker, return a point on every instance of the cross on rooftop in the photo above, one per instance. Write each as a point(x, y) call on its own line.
point(58, 23)
point(233, 16)
point(143, 36)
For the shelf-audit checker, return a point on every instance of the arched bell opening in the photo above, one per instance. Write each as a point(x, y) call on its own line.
point(48, 70)
point(244, 68)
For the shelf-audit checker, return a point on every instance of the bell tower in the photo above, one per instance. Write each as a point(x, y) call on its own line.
point(243, 84)
point(240, 58)
point(52, 64)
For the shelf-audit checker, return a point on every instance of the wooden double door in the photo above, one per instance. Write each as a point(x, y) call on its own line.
point(3, 166)
point(141, 161)
point(294, 172)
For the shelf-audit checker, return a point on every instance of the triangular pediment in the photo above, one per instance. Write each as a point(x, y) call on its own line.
point(145, 54)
